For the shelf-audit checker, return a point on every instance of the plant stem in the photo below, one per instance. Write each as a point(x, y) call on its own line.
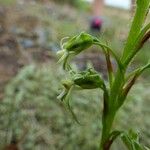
point(107, 125)
point(110, 109)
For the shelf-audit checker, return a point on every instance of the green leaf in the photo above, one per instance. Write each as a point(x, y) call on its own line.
point(138, 71)
point(138, 44)
point(132, 77)
point(138, 146)
point(127, 141)
point(137, 24)
point(131, 140)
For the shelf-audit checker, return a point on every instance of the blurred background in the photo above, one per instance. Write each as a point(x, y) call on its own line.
point(31, 117)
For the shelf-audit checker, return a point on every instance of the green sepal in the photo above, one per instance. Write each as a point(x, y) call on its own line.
point(68, 106)
point(65, 97)
point(67, 84)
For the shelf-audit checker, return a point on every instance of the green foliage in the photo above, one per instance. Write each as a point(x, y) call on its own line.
point(131, 140)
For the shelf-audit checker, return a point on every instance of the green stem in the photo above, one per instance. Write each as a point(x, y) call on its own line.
point(107, 121)
point(106, 130)
point(110, 109)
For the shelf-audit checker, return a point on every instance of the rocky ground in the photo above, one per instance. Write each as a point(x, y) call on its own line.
point(30, 33)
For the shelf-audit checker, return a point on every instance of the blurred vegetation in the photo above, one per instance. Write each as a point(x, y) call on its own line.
point(73, 2)
point(7, 2)
point(77, 3)
point(30, 106)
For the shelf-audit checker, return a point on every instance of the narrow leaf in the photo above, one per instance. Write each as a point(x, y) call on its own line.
point(137, 24)
point(141, 39)
point(131, 140)
point(135, 74)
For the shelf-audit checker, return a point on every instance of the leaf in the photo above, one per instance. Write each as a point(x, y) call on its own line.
point(138, 43)
point(126, 140)
point(138, 146)
point(131, 140)
point(138, 71)
point(134, 76)
point(137, 24)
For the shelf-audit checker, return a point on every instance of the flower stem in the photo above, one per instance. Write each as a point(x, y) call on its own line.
point(106, 130)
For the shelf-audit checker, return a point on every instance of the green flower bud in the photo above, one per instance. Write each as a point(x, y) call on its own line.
point(88, 80)
point(79, 43)
point(74, 46)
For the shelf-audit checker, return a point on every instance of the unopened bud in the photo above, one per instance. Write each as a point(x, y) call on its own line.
point(88, 80)
point(79, 43)
point(74, 46)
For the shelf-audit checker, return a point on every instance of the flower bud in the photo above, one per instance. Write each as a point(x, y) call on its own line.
point(79, 43)
point(88, 80)
point(74, 46)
